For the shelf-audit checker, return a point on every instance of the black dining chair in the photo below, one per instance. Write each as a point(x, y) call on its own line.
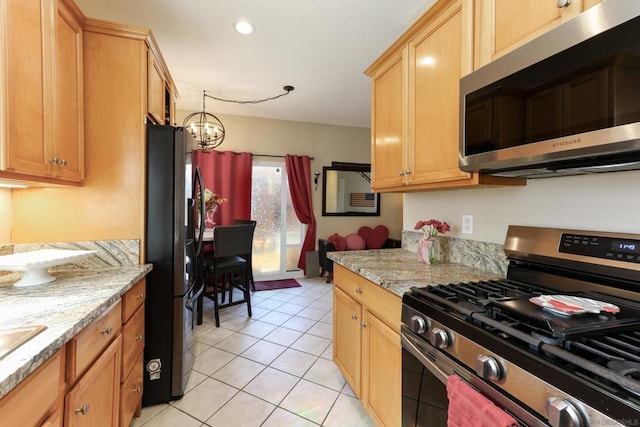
point(225, 268)
point(249, 260)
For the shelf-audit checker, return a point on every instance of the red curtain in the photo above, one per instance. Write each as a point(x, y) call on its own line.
point(299, 177)
point(227, 174)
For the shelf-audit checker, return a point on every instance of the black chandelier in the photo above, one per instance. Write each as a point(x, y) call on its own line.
point(207, 129)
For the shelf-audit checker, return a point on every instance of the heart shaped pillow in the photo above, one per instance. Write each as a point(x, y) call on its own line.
point(374, 237)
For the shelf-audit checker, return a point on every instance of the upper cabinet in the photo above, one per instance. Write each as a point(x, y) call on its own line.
point(41, 89)
point(160, 89)
point(415, 111)
point(503, 25)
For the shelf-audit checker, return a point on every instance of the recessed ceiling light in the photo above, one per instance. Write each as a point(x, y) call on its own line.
point(244, 27)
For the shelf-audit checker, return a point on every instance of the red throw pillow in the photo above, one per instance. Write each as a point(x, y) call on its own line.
point(339, 242)
point(374, 238)
point(355, 242)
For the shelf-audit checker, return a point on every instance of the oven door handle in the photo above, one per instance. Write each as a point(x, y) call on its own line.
point(424, 360)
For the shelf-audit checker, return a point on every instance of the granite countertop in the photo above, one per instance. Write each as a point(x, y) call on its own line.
point(64, 306)
point(398, 269)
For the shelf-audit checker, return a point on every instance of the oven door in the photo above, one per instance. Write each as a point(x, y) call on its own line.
point(424, 395)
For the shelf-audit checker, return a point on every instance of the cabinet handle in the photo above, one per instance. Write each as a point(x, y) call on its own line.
point(83, 410)
point(563, 3)
point(354, 316)
point(363, 324)
point(358, 291)
point(139, 337)
point(138, 389)
point(107, 331)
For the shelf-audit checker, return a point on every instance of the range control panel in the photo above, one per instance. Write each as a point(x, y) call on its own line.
point(601, 247)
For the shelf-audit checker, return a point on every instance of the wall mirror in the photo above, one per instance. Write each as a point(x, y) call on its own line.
point(346, 190)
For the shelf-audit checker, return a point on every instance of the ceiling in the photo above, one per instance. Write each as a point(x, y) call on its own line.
point(321, 47)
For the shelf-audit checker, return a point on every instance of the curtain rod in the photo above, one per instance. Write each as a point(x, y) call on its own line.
point(273, 155)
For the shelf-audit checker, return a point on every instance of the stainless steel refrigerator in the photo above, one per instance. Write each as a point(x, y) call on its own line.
point(170, 245)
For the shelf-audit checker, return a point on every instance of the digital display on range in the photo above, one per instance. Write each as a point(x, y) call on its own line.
point(628, 246)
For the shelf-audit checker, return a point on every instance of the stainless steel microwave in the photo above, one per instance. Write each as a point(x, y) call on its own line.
point(566, 103)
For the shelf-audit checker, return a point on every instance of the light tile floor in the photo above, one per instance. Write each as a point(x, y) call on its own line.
point(273, 369)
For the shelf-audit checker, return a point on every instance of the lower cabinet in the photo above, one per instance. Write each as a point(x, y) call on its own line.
point(95, 399)
point(366, 343)
point(94, 380)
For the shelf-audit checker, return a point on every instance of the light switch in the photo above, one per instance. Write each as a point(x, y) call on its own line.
point(467, 224)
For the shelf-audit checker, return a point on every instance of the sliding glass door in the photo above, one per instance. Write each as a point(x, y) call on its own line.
point(279, 235)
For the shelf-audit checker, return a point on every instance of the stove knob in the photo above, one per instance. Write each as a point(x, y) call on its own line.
point(417, 324)
point(439, 338)
point(488, 368)
point(563, 413)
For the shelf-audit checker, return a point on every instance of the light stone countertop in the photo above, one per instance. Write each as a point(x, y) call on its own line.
point(398, 269)
point(64, 306)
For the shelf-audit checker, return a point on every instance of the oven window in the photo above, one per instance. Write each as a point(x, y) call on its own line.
point(424, 397)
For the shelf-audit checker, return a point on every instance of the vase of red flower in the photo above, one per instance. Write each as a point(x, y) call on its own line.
point(429, 245)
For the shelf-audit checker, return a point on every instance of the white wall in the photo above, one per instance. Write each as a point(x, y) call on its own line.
point(326, 143)
point(5, 215)
point(604, 202)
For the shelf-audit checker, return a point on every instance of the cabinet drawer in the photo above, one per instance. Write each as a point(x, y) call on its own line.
point(85, 347)
point(132, 341)
point(131, 393)
point(133, 299)
point(27, 404)
point(385, 304)
point(94, 400)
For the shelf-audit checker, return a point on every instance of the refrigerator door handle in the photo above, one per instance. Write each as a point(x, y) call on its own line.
point(190, 302)
point(198, 183)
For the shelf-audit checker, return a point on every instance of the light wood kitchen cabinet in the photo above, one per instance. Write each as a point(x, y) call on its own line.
point(131, 378)
point(503, 25)
point(415, 104)
point(155, 90)
point(38, 397)
point(366, 343)
point(94, 400)
point(41, 89)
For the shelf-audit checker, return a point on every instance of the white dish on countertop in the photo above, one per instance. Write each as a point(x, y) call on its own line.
point(36, 263)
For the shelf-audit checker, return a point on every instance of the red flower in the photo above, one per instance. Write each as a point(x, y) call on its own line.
point(433, 227)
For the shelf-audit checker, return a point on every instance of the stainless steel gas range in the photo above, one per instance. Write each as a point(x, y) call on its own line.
point(555, 343)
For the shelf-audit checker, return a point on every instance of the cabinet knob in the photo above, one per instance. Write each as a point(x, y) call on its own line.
point(141, 296)
point(53, 160)
point(563, 3)
point(62, 162)
point(138, 389)
point(354, 316)
point(139, 337)
point(84, 410)
point(407, 172)
point(401, 173)
point(358, 290)
point(363, 324)
point(107, 331)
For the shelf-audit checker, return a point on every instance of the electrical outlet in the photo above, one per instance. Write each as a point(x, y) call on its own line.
point(467, 224)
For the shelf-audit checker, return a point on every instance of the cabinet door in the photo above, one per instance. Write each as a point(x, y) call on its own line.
point(507, 24)
point(346, 337)
point(388, 117)
point(95, 399)
point(435, 68)
point(381, 363)
point(155, 89)
point(69, 118)
point(26, 88)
